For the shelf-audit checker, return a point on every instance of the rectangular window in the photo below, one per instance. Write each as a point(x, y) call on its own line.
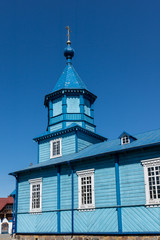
point(125, 140)
point(35, 195)
point(86, 189)
point(152, 180)
point(55, 148)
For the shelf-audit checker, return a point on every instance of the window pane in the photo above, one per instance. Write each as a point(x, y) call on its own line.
point(154, 182)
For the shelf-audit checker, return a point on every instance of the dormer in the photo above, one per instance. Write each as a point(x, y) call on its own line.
point(126, 138)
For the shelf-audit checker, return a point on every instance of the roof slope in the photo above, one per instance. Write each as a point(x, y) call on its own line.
point(143, 140)
point(69, 79)
point(5, 201)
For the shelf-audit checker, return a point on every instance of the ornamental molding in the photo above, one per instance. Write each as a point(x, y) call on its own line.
point(76, 128)
point(151, 162)
point(85, 172)
point(35, 180)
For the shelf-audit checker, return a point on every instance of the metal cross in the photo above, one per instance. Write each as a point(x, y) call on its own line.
point(68, 34)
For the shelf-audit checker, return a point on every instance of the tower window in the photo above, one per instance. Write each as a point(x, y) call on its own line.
point(125, 140)
point(55, 148)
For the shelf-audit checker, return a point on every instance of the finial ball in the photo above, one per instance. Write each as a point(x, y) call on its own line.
point(68, 52)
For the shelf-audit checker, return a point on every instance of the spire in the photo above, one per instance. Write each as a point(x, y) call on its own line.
point(68, 51)
point(69, 78)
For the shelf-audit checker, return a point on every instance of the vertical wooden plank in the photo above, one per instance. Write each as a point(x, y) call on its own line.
point(16, 207)
point(58, 200)
point(118, 193)
point(72, 201)
point(64, 110)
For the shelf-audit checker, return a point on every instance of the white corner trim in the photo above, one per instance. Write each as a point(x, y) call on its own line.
point(151, 162)
point(85, 172)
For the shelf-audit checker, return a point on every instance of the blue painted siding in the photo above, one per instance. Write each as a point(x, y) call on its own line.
point(132, 176)
point(55, 127)
point(87, 107)
point(90, 128)
point(29, 223)
point(100, 220)
point(66, 194)
point(57, 107)
point(69, 123)
point(35, 222)
point(104, 180)
point(104, 218)
point(68, 144)
point(66, 222)
point(85, 140)
point(44, 151)
point(141, 219)
point(73, 105)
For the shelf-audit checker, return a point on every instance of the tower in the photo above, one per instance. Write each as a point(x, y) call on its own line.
point(70, 106)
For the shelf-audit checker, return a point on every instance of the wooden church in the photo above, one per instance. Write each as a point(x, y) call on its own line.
point(83, 185)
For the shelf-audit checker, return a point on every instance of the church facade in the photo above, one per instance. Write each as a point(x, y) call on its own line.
point(84, 184)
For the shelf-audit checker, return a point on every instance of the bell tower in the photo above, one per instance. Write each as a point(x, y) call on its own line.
point(70, 103)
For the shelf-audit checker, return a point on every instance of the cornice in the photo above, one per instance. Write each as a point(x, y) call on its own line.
point(60, 92)
point(64, 131)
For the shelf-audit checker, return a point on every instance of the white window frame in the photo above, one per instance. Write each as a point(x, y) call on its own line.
point(34, 182)
point(81, 174)
point(146, 164)
point(51, 148)
point(125, 142)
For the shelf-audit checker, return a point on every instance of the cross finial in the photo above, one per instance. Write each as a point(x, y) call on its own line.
point(68, 34)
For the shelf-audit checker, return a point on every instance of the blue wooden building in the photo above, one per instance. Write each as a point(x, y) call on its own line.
point(82, 182)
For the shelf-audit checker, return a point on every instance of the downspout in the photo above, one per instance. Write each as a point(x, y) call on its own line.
point(119, 213)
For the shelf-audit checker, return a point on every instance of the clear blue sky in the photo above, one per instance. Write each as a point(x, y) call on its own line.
point(117, 55)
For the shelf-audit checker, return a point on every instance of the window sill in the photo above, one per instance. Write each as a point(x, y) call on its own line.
point(86, 208)
point(151, 205)
point(55, 156)
point(35, 212)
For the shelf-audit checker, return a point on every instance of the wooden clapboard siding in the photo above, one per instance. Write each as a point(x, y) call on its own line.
point(55, 127)
point(104, 217)
point(141, 219)
point(85, 140)
point(132, 187)
point(68, 146)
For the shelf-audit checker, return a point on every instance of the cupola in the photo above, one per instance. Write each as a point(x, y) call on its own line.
point(70, 102)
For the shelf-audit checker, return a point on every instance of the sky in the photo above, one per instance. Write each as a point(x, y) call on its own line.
point(117, 55)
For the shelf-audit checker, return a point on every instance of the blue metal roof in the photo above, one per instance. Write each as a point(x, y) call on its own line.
point(146, 139)
point(69, 79)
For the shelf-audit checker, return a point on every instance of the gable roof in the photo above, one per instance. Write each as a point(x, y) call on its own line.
point(147, 139)
point(69, 79)
point(5, 201)
point(125, 133)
